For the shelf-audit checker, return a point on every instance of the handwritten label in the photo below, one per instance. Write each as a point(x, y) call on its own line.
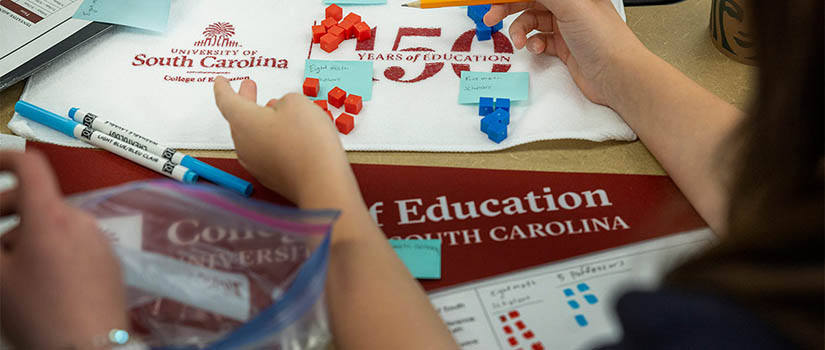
point(355, 77)
point(586, 271)
point(151, 15)
point(474, 85)
point(422, 257)
point(513, 293)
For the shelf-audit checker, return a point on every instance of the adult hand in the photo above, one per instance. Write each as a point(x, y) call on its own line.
point(589, 36)
point(60, 284)
point(290, 145)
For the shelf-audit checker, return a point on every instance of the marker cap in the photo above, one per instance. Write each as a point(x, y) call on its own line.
point(72, 112)
point(190, 177)
point(45, 117)
point(217, 176)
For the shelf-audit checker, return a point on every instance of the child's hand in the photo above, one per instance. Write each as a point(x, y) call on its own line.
point(589, 36)
point(290, 145)
point(60, 283)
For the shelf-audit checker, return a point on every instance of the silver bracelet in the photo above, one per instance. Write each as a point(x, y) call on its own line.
point(119, 339)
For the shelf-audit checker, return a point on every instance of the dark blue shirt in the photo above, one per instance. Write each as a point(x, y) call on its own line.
point(669, 319)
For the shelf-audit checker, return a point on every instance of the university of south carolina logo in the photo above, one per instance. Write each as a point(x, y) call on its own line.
point(218, 34)
point(216, 54)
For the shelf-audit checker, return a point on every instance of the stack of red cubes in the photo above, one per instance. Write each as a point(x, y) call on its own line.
point(336, 28)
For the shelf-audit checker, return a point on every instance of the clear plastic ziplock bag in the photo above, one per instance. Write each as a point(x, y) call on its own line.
point(207, 269)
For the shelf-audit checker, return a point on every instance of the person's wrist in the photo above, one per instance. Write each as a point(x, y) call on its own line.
point(112, 339)
point(625, 67)
point(329, 189)
point(118, 339)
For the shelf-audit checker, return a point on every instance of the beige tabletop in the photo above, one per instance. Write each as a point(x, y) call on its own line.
point(678, 33)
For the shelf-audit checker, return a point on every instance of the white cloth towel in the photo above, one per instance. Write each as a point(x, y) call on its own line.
point(109, 76)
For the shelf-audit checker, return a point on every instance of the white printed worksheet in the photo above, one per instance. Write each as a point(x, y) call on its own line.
point(563, 305)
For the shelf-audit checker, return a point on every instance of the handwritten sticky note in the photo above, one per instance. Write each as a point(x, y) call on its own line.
point(356, 2)
point(355, 77)
point(422, 257)
point(514, 86)
point(144, 14)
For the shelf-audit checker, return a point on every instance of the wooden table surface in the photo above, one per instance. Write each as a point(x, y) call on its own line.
point(677, 33)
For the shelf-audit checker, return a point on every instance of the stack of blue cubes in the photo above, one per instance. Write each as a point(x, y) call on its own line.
point(483, 32)
point(496, 115)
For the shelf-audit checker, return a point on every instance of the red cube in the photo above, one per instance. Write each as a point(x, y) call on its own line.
point(528, 335)
point(330, 42)
point(330, 116)
point(338, 31)
point(336, 97)
point(350, 21)
point(512, 341)
point(335, 11)
point(311, 87)
point(349, 27)
point(353, 104)
point(317, 33)
point(362, 31)
point(329, 22)
point(345, 123)
point(322, 104)
point(352, 17)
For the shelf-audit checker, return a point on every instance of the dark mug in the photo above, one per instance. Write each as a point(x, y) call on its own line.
point(731, 31)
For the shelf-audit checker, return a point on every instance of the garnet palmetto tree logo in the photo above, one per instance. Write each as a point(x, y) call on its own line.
point(218, 34)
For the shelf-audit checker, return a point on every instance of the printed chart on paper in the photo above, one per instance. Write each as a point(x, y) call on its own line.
point(566, 305)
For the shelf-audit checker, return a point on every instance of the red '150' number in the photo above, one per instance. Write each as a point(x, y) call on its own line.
point(464, 43)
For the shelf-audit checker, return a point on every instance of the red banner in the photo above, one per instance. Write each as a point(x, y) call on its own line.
point(490, 221)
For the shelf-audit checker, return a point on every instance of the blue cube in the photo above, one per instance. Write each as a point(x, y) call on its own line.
point(477, 12)
point(501, 115)
point(483, 32)
point(485, 123)
point(497, 132)
point(497, 27)
point(485, 106)
point(494, 118)
point(503, 103)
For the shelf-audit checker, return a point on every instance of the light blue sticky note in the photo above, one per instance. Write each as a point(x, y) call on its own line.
point(474, 85)
point(355, 77)
point(422, 256)
point(356, 2)
point(144, 14)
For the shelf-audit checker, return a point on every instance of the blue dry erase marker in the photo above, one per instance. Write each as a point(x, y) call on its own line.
point(206, 171)
point(111, 144)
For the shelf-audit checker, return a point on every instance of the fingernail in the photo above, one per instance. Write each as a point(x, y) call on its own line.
point(519, 42)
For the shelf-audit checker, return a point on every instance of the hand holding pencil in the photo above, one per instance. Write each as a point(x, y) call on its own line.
point(589, 36)
point(426, 4)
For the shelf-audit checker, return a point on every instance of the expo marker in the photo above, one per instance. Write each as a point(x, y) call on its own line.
point(123, 149)
point(206, 171)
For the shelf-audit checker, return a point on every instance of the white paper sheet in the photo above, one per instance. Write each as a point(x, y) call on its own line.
point(173, 104)
point(477, 313)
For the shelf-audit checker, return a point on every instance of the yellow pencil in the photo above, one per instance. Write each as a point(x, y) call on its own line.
point(427, 4)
